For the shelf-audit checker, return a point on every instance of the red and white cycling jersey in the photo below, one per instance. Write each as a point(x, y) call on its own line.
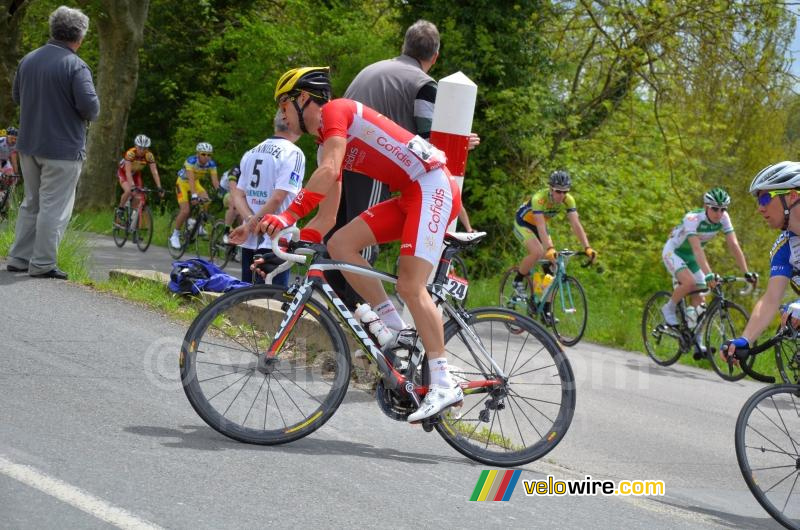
point(377, 146)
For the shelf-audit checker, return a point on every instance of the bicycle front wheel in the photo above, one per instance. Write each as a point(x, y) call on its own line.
point(177, 252)
point(218, 250)
point(120, 227)
point(726, 321)
point(238, 392)
point(569, 311)
point(520, 420)
point(661, 341)
point(144, 232)
point(787, 359)
point(768, 452)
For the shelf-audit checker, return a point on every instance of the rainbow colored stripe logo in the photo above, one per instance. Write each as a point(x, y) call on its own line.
point(495, 485)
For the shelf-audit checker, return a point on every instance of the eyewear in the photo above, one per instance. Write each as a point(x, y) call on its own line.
point(204, 154)
point(765, 198)
point(718, 208)
point(559, 191)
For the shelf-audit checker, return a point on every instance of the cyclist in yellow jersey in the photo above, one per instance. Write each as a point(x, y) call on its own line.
point(530, 224)
point(189, 188)
point(129, 173)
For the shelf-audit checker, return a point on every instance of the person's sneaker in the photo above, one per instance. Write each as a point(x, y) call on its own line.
point(225, 239)
point(520, 289)
point(175, 241)
point(700, 350)
point(201, 231)
point(436, 400)
point(669, 315)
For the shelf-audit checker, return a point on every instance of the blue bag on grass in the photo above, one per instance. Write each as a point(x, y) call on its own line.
point(194, 275)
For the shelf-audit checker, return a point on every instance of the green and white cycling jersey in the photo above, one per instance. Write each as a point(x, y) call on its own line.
point(695, 223)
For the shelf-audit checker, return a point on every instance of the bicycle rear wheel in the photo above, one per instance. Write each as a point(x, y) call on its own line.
point(177, 252)
point(144, 230)
point(569, 311)
point(512, 299)
point(120, 230)
point(661, 341)
point(768, 452)
point(516, 422)
point(726, 321)
point(238, 393)
point(217, 249)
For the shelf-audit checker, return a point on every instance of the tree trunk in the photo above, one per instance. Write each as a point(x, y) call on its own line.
point(12, 12)
point(120, 26)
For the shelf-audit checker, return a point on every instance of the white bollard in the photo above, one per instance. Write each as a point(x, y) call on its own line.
point(450, 130)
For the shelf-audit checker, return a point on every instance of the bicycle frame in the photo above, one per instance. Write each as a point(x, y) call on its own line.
point(539, 301)
point(315, 281)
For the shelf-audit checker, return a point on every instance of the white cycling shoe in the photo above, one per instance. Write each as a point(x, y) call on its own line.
point(669, 315)
point(436, 400)
point(175, 241)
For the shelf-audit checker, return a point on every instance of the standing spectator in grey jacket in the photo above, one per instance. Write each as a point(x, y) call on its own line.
point(57, 99)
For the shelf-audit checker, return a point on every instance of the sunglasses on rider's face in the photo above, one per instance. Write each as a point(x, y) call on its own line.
point(717, 208)
point(204, 154)
point(765, 198)
point(559, 191)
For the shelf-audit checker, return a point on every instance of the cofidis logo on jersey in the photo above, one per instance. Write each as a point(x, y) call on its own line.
point(494, 485)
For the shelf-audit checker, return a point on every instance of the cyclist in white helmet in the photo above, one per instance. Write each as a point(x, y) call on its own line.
point(189, 187)
point(777, 191)
point(130, 168)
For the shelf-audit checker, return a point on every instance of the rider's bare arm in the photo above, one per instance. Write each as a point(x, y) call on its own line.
point(766, 308)
point(736, 251)
point(154, 172)
point(577, 228)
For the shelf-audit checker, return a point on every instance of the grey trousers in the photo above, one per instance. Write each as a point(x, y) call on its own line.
point(44, 213)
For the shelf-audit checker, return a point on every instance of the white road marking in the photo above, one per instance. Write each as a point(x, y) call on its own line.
point(74, 496)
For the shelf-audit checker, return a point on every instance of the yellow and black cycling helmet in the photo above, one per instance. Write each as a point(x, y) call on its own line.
point(315, 80)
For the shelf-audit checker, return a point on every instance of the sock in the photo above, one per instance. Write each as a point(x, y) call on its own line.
point(440, 376)
point(671, 304)
point(388, 313)
point(175, 232)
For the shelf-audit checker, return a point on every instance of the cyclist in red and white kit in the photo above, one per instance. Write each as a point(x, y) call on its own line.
point(357, 138)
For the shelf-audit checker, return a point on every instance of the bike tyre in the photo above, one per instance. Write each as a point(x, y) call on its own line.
point(558, 321)
point(727, 372)
point(144, 229)
point(119, 232)
point(755, 476)
point(557, 379)
point(219, 320)
point(653, 320)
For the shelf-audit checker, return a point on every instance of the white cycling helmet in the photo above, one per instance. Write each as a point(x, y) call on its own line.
point(781, 176)
point(204, 147)
point(141, 141)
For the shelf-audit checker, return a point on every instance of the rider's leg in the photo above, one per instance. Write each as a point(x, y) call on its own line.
point(126, 192)
point(345, 245)
point(183, 214)
point(686, 285)
point(535, 253)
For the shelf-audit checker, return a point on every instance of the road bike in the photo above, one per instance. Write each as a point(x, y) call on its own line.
point(134, 222)
point(190, 233)
point(8, 184)
point(268, 365)
point(221, 253)
point(561, 306)
point(721, 320)
point(767, 430)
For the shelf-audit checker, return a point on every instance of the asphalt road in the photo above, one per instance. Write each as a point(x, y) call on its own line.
point(95, 431)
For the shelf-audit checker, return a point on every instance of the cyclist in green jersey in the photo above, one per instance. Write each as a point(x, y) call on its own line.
point(685, 259)
point(530, 224)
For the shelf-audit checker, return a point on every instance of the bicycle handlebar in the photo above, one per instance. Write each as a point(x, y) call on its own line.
point(291, 233)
